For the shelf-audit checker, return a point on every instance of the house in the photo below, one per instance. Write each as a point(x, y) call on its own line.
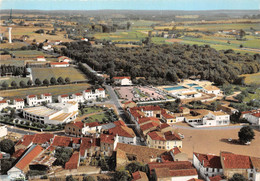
point(3, 104)
point(74, 129)
point(139, 176)
point(177, 155)
point(63, 98)
point(33, 100)
point(179, 171)
point(90, 94)
point(73, 162)
point(18, 103)
point(168, 140)
point(207, 165)
point(126, 153)
point(78, 97)
point(22, 166)
point(122, 80)
point(216, 118)
point(256, 166)
point(47, 47)
point(125, 134)
point(59, 64)
point(91, 128)
point(210, 89)
point(108, 144)
point(3, 131)
point(40, 59)
point(64, 59)
point(148, 127)
point(227, 109)
point(234, 163)
point(89, 147)
point(252, 116)
point(53, 113)
point(62, 141)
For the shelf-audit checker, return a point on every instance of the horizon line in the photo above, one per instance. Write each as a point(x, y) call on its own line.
point(131, 10)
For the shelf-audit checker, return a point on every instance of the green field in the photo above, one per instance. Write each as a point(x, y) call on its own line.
point(47, 73)
point(16, 79)
point(29, 54)
point(54, 90)
point(97, 117)
point(252, 78)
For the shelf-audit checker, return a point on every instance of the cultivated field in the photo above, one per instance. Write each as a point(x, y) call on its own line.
point(252, 78)
point(47, 73)
point(54, 90)
point(214, 141)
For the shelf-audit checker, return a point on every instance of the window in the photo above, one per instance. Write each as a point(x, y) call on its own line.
point(251, 175)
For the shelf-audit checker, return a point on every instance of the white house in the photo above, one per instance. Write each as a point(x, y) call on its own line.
point(32, 100)
point(209, 89)
point(64, 59)
point(94, 94)
point(59, 64)
point(216, 118)
point(252, 117)
point(3, 131)
point(123, 80)
point(63, 98)
point(41, 59)
point(47, 47)
point(3, 104)
point(125, 134)
point(207, 165)
point(78, 97)
point(18, 103)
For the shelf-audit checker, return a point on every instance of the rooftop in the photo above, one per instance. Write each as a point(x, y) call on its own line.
point(123, 131)
point(40, 111)
point(73, 162)
point(209, 161)
point(234, 161)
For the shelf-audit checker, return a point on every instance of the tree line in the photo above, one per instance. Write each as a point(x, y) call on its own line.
point(164, 64)
point(13, 70)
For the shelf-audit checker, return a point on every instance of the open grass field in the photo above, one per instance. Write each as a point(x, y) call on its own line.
point(96, 117)
point(47, 73)
point(10, 79)
point(252, 78)
point(12, 45)
point(54, 90)
point(12, 62)
point(28, 53)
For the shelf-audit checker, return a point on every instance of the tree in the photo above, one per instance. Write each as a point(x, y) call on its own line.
point(7, 146)
point(60, 80)
point(5, 84)
point(29, 83)
point(13, 84)
point(22, 84)
point(128, 25)
point(5, 165)
point(63, 155)
point(242, 33)
point(121, 175)
point(237, 177)
point(246, 134)
point(88, 178)
point(53, 81)
point(46, 82)
point(70, 178)
point(37, 82)
point(67, 80)
point(133, 167)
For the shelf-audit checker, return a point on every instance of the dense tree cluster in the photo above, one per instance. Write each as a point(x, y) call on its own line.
point(13, 70)
point(163, 64)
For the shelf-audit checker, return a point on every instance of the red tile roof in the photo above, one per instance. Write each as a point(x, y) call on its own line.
point(18, 153)
point(139, 175)
point(61, 141)
point(167, 158)
point(257, 115)
point(26, 160)
point(171, 136)
point(93, 124)
point(78, 124)
point(105, 138)
point(31, 96)
point(216, 178)
point(88, 90)
point(40, 56)
point(42, 138)
point(19, 100)
point(101, 89)
point(185, 172)
point(47, 94)
point(119, 123)
point(3, 101)
point(118, 78)
point(147, 119)
point(73, 162)
point(168, 116)
point(156, 136)
point(78, 94)
point(210, 161)
point(176, 150)
point(65, 95)
point(148, 126)
point(123, 131)
point(59, 63)
point(171, 165)
point(234, 161)
point(164, 125)
point(26, 140)
point(87, 143)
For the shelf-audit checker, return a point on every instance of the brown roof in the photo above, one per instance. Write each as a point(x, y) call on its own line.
point(256, 163)
point(155, 135)
point(78, 124)
point(138, 175)
point(121, 77)
point(119, 123)
point(61, 141)
point(210, 161)
point(211, 87)
point(122, 131)
point(143, 153)
point(18, 153)
point(234, 161)
point(148, 126)
point(87, 143)
point(216, 178)
point(147, 119)
point(19, 100)
point(105, 138)
point(178, 165)
point(73, 162)
point(26, 160)
point(26, 140)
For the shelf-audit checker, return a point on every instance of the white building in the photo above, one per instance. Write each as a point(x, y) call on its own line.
point(216, 118)
point(63, 98)
point(94, 94)
point(59, 64)
point(78, 97)
point(3, 131)
point(207, 165)
point(32, 100)
point(3, 104)
point(209, 89)
point(18, 103)
point(55, 113)
point(41, 59)
point(252, 117)
point(64, 59)
point(123, 80)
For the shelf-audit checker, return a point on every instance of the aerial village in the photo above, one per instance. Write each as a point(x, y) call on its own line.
point(69, 121)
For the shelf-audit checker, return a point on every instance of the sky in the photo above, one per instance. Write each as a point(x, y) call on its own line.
point(131, 4)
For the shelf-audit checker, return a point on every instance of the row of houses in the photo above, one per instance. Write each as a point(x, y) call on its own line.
point(34, 100)
point(211, 167)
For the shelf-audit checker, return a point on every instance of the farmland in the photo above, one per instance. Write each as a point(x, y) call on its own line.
point(54, 90)
point(252, 78)
point(48, 73)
